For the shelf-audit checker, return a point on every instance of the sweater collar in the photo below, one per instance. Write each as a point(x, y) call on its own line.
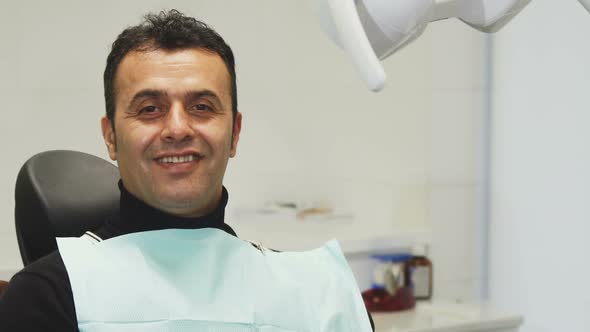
point(139, 216)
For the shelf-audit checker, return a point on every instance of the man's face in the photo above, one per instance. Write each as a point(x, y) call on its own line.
point(173, 128)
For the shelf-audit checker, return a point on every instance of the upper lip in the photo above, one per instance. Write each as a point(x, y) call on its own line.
point(178, 154)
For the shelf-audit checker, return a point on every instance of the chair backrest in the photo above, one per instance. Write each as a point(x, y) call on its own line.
point(60, 194)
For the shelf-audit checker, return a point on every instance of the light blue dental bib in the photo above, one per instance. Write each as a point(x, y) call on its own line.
point(207, 280)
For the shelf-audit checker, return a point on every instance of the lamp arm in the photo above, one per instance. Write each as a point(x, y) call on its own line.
point(586, 4)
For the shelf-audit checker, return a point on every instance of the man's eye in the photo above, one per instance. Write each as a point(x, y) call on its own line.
point(202, 107)
point(148, 109)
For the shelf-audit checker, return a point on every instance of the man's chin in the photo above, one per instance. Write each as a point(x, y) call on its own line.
point(185, 204)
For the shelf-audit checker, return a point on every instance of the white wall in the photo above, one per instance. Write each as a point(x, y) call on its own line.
point(540, 202)
point(406, 158)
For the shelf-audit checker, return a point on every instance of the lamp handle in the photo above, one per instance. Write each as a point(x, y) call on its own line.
point(356, 43)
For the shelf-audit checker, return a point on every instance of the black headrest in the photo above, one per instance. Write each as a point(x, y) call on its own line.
point(59, 194)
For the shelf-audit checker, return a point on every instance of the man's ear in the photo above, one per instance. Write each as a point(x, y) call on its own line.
point(236, 134)
point(108, 134)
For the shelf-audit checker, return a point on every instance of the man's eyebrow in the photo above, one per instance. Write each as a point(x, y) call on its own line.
point(148, 93)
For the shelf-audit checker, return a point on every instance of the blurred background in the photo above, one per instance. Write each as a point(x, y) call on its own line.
point(478, 147)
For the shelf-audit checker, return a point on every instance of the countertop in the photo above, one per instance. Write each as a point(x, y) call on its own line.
point(447, 317)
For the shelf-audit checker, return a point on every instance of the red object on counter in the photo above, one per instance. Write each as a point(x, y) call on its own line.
point(3, 284)
point(379, 300)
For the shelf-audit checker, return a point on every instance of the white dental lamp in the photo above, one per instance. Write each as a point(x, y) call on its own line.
point(372, 30)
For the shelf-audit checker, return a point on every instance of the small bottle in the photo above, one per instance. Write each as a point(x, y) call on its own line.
point(389, 291)
point(420, 273)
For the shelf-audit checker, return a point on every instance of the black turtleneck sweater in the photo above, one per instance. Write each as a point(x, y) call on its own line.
point(39, 297)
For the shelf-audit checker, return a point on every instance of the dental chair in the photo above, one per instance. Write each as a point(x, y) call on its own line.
point(61, 194)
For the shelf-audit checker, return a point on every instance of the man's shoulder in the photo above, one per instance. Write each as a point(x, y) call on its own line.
point(39, 297)
point(50, 268)
point(46, 276)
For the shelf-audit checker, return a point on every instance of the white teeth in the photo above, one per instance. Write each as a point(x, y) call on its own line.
point(177, 159)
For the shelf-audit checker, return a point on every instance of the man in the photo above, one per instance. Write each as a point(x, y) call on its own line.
point(171, 124)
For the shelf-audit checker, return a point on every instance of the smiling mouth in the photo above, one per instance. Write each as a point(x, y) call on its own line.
point(179, 159)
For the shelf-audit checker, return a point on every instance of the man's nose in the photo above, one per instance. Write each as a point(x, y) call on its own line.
point(177, 125)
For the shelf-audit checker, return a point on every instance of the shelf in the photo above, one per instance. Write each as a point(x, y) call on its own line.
point(358, 241)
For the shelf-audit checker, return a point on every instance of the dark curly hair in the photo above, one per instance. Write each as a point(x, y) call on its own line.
point(168, 30)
